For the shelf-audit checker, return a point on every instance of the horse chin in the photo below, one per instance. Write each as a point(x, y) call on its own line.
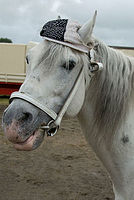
point(31, 143)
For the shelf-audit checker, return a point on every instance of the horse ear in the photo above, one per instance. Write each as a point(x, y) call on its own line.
point(86, 30)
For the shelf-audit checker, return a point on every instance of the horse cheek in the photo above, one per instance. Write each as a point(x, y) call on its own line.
point(77, 102)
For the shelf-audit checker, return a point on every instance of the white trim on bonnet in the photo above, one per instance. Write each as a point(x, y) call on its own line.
point(79, 47)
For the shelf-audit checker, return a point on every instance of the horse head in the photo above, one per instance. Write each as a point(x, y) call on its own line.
point(57, 77)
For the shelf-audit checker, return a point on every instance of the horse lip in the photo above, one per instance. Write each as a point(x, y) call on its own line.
point(32, 135)
point(30, 143)
point(27, 139)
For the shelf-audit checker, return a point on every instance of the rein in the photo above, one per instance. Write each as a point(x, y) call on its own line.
point(52, 127)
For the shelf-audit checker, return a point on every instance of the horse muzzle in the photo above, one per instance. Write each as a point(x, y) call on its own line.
point(21, 124)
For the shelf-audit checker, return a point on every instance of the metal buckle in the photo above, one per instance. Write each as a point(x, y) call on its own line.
point(96, 66)
point(51, 129)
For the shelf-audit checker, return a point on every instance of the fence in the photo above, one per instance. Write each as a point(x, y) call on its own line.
point(13, 65)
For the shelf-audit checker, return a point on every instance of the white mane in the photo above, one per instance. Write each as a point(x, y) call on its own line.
point(111, 89)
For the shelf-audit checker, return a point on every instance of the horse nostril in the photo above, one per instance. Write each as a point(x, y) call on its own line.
point(26, 116)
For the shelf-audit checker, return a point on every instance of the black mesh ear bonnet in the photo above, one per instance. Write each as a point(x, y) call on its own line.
point(65, 32)
point(55, 29)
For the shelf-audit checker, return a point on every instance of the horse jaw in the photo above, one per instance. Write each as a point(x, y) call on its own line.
point(86, 30)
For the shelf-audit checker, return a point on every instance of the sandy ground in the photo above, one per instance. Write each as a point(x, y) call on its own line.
point(63, 168)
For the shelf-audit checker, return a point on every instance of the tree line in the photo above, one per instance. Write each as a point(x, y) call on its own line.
point(5, 40)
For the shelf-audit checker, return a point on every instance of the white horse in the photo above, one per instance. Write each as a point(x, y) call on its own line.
point(58, 82)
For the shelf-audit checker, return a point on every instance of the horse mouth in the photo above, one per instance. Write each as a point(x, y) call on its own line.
point(32, 142)
point(20, 140)
point(22, 125)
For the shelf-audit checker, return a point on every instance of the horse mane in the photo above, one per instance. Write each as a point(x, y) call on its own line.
point(111, 88)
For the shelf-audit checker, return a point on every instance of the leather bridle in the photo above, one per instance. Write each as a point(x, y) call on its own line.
point(52, 127)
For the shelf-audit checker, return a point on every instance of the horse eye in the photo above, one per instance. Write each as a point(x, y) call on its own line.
point(72, 64)
point(69, 65)
point(27, 60)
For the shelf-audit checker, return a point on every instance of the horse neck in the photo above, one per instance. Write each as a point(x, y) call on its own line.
point(108, 95)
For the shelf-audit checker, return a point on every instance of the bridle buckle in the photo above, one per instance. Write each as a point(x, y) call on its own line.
point(51, 128)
